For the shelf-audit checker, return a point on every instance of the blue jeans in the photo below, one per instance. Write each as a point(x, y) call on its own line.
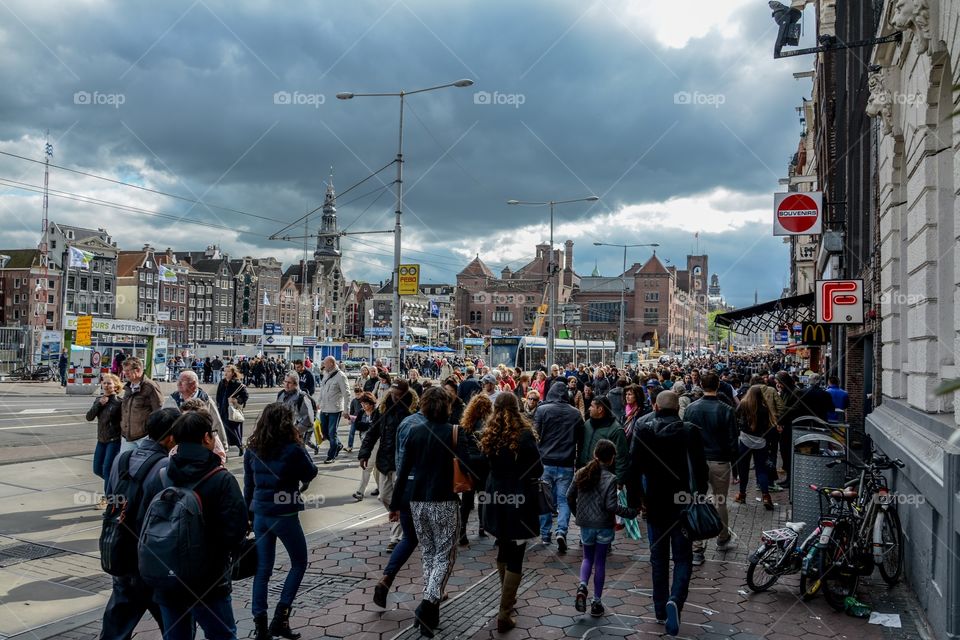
point(267, 529)
point(103, 457)
point(328, 427)
point(664, 537)
point(559, 479)
point(404, 549)
point(760, 465)
point(353, 433)
point(214, 617)
point(130, 599)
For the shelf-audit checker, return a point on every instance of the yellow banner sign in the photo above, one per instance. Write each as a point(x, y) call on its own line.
point(409, 279)
point(84, 331)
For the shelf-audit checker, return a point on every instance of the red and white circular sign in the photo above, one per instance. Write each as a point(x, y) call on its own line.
point(797, 213)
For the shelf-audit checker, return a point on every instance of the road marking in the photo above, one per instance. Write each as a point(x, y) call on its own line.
point(39, 426)
point(33, 411)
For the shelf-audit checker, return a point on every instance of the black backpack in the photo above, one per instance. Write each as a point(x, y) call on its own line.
point(119, 532)
point(172, 554)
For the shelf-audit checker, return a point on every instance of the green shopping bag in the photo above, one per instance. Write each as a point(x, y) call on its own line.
point(631, 527)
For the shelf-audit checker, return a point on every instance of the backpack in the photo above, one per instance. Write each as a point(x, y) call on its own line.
point(118, 537)
point(171, 552)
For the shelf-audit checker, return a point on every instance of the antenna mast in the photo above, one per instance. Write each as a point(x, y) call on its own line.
point(41, 290)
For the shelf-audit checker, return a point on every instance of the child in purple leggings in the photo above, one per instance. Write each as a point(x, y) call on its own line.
point(593, 499)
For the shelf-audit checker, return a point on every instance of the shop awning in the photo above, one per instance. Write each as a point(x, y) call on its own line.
point(769, 316)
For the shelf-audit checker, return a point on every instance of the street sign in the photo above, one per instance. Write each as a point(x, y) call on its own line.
point(839, 301)
point(781, 337)
point(473, 342)
point(797, 213)
point(375, 344)
point(814, 334)
point(163, 316)
point(409, 279)
point(272, 329)
point(84, 331)
point(232, 332)
point(309, 341)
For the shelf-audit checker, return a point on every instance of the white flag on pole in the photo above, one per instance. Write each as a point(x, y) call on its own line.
point(80, 259)
point(167, 274)
point(316, 302)
point(266, 300)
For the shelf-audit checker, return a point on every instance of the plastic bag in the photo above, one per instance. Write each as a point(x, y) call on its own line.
point(631, 526)
point(317, 431)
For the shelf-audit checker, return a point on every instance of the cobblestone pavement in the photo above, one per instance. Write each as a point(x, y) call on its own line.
point(336, 599)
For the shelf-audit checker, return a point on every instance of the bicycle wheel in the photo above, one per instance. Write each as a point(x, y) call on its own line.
point(839, 579)
point(810, 584)
point(759, 578)
point(890, 535)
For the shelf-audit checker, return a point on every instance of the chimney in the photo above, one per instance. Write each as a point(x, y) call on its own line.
point(568, 257)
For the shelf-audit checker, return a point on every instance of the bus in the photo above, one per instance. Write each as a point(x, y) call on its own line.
point(530, 352)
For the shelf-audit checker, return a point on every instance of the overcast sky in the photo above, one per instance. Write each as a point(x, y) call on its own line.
point(674, 113)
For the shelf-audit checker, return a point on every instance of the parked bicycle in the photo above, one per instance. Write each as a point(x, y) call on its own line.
point(40, 372)
point(859, 531)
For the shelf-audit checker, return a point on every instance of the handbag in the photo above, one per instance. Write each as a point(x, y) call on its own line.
point(700, 519)
point(462, 480)
point(631, 525)
point(244, 560)
point(234, 412)
point(545, 498)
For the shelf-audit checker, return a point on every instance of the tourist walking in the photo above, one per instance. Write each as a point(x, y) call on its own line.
point(334, 400)
point(231, 392)
point(471, 425)
point(141, 397)
point(512, 513)
point(106, 411)
point(276, 471)
point(756, 423)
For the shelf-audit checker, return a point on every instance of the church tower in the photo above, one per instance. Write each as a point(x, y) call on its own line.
point(328, 283)
point(327, 252)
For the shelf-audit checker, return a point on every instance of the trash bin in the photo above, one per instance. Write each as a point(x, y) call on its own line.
point(812, 450)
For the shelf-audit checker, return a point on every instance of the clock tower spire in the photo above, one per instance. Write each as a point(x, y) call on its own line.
point(328, 240)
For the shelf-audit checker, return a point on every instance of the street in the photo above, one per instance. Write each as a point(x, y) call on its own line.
point(51, 584)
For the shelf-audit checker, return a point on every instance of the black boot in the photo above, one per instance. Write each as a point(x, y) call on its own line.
point(280, 626)
point(262, 628)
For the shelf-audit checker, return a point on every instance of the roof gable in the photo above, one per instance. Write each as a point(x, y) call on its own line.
point(477, 269)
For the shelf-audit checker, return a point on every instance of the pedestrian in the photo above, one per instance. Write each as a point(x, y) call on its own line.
point(841, 399)
point(205, 601)
point(719, 434)
point(413, 378)
point(302, 406)
point(426, 469)
point(188, 388)
point(575, 396)
point(334, 400)
point(366, 416)
point(593, 498)
point(307, 382)
point(530, 403)
point(131, 597)
point(355, 411)
point(489, 386)
point(62, 368)
point(559, 427)
point(276, 472)
point(469, 387)
point(539, 382)
point(141, 397)
point(380, 443)
point(618, 400)
point(633, 404)
point(603, 426)
point(450, 385)
point(106, 411)
point(513, 463)
point(475, 416)
point(755, 421)
point(662, 452)
point(231, 392)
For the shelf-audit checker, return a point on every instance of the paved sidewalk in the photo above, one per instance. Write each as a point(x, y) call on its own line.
point(335, 600)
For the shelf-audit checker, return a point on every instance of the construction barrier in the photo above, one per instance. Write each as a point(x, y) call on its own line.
point(83, 381)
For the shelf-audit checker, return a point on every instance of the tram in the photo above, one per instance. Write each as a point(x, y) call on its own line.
point(530, 352)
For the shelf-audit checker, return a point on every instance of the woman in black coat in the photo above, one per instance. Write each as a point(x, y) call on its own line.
point(231, 391)
point(512, 505)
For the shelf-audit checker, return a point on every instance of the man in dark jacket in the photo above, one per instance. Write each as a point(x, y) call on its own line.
point(661, 452)
point(307, 382)
point(141, 397)
point(719, 432)
point(617, 401)
point(225, 520)
point(560, 428)
point(131, 597)
point(603, 426)
point(396, 405)
point(469, 387)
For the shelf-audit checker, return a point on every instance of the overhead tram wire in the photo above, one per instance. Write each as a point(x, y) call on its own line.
point(142, 188)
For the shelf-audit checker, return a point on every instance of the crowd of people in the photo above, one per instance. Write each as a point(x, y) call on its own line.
point(529, 451)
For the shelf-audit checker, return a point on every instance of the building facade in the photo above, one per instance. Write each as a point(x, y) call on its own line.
point(427, 317)
point(256, 292)
point(328, 285)
point(91, 288)
point(20, 286)
point(213, 261)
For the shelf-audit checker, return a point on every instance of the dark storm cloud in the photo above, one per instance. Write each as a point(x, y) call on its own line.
point(587, 109)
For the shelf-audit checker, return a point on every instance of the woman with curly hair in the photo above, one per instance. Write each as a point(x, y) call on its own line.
point(276, 470)
point(512, 506)
point(475, 416)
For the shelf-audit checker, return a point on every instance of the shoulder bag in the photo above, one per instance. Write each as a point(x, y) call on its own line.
point(462, 480)
point(234, 412)
point(699, 520)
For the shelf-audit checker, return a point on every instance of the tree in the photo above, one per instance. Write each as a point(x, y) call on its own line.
point(716, 333)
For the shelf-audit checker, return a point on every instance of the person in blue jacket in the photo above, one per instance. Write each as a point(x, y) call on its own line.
point(276, 470)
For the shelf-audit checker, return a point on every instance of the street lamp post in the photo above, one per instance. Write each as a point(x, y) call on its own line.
point(347, 95)
point(623, 288)
point(553, 271)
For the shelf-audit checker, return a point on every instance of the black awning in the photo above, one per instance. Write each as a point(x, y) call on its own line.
point(769, 316)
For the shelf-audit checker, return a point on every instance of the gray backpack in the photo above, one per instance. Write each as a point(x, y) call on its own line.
point(171, 552)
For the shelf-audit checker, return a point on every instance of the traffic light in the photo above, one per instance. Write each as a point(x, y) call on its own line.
point(788, 20)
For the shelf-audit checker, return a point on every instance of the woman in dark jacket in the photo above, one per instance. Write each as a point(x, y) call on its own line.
point(425, 479)
point(512, 512)
point(106, 411)
point(276, 470)
point(472, 421)
point(231, 391)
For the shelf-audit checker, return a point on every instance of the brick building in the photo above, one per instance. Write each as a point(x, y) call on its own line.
point(20, 274)
point(213, 261)
point(92, 289)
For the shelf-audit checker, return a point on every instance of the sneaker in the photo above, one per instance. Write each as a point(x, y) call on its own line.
point(380, 595)
point(464, 541)
point(726, 545)
point(327, 460)
point(357, 496)
point(561, 544)
point(339, 449)
point(596, 609)
point(392, 545)
point(740, 498)
point(698, 558)
point(673, 619)
point(581, 603)
point(375, 492)
point(349, 449)
point(546, 541)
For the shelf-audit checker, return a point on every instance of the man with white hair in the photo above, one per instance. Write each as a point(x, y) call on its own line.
point(299, 401)
point(333, 401)
point(188, 388)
